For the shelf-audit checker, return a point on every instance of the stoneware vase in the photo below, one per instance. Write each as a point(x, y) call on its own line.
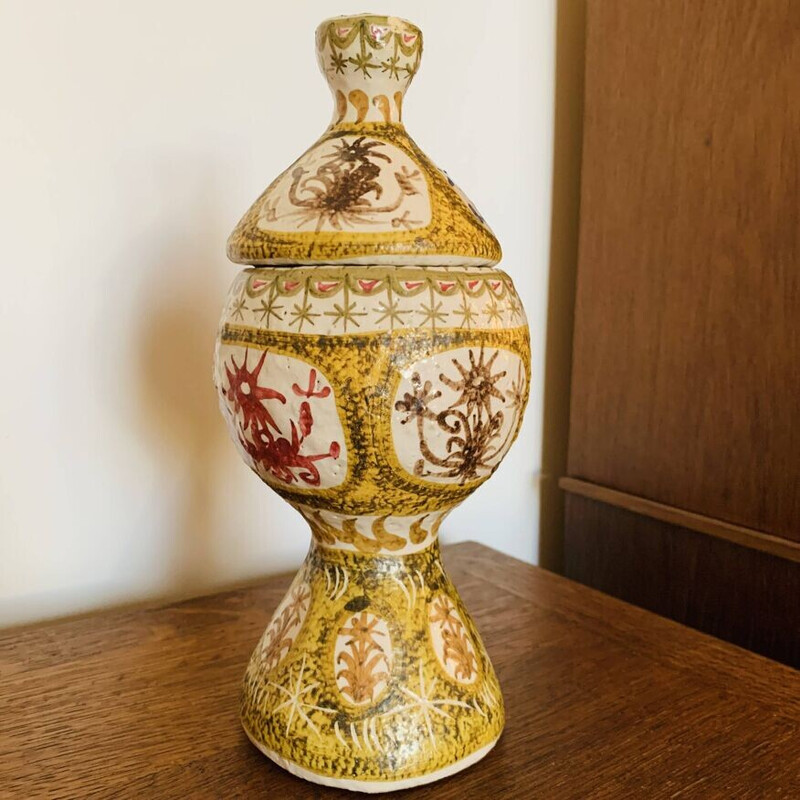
point(373, 368)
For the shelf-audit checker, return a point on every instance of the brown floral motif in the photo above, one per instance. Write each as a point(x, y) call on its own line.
point(279, 636)
point(473, 427)
point(517, 394)
point(365, 660)
point(259, 434)
point(455, 643)
point(337, 193)
point(477, 384)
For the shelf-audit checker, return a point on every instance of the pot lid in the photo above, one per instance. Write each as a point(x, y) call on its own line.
point(365, 193)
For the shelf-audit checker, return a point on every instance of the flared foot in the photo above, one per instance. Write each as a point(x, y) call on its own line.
point(372, 787)
point(371, 676)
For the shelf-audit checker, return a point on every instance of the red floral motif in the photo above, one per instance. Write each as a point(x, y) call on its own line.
point(270, 449)
point(245, 395)
point(312, 382)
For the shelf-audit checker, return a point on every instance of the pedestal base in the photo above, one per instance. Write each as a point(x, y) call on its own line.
point(371, 675)
point(372, 787)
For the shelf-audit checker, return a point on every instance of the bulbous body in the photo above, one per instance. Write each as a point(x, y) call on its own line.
point(374, 385)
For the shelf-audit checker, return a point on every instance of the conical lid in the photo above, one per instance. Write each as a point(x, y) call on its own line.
point(364, 193)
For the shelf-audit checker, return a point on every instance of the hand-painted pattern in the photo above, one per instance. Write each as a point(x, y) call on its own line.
point(297, 703)
point(372, 482)
point(363, 658)
point(436, 225)
point(363, 299)
point(285, 624)
point(423, 701)
point(277, 435)
point(369, 61)
point(380, 534)
point(464, 418)
point(348, 183)
point(451, 642)
point(374, 384)
point(348, 695)
point(394, 44)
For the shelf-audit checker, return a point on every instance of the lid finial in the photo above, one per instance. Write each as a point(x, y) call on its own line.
point(368, 61)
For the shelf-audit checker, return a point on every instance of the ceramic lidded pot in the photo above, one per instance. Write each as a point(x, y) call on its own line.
point(373, 369)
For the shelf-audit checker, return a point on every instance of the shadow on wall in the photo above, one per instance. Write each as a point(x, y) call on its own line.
point(568, 137)
point(178, 400)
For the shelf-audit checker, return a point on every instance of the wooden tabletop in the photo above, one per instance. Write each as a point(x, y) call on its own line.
point(603, 701)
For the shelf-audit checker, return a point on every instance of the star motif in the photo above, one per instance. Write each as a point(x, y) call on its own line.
point(410, 70)
point(238, 308)
point(298, 602)
point(415, 403)
point(390, 66)
point(268, 309)
point(296, 704)
point(443, 611)
point(425, 704)
point(391, 310)
point(432, 313)
point(362, 63)
point(302, 314)
point(514, 306)
point(346, 314)
point(338, 62)
point(516, 394)
point(477, 384)
point(467, 314)
point(493, 312)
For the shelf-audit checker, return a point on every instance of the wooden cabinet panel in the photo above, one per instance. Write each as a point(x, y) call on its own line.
point(686, 377)
point(743, 596)
point(684, 454)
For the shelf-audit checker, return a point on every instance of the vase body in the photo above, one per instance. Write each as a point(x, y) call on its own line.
point(373, 369)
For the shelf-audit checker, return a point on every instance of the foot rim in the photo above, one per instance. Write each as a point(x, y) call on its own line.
point(372, 787)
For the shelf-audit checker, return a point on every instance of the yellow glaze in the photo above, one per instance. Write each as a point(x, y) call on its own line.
point(373, 369)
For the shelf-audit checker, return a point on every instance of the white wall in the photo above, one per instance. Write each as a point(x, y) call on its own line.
point(132, 137)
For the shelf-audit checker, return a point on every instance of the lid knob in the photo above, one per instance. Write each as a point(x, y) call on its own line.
point(368, 60)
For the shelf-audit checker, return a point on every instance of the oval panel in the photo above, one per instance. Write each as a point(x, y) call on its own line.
point(282, 415)
point(451, 641)
point(456, 415)
point(285, 625)
point(362, 658)
point(348, 183)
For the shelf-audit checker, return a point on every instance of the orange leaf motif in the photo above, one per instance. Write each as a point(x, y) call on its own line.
point(457, 645)
point(280, 634)
point(364, 660)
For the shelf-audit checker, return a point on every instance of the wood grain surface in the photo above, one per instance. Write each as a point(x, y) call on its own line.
point(747, 537)
point(686, 376)
point(708, 583)
point(603, 700)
